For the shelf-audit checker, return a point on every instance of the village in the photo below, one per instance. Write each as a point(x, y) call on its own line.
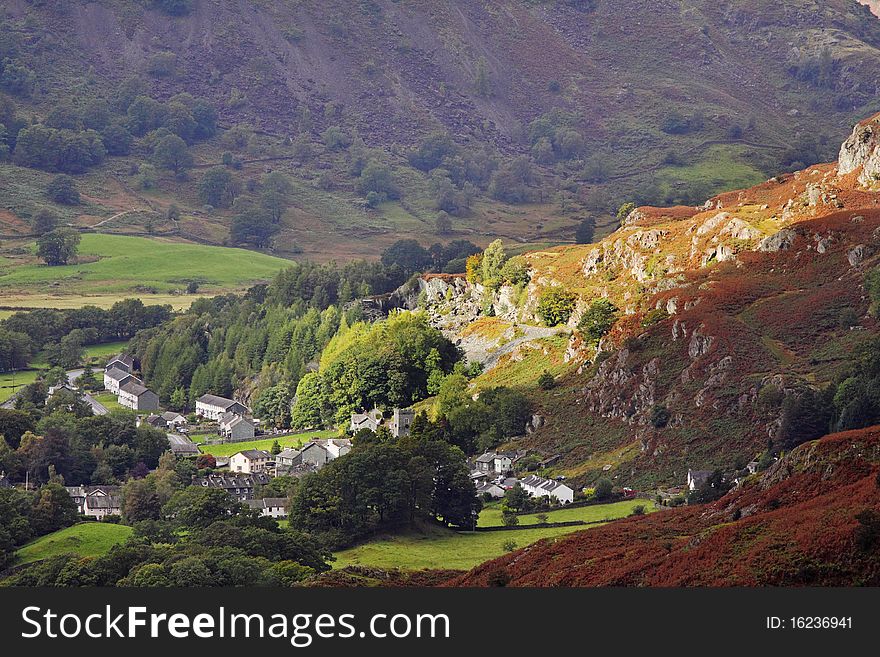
point(243, 473)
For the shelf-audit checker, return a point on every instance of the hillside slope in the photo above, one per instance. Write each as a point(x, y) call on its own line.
point(727, 313)
point(673, 102)
point(813, 519)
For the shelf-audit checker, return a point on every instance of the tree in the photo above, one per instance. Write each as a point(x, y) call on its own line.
point(555, 305)
point(546, 381)
point(586, 231)
point(482, 83)
point(62, 189)
point(44, 221)
point(195, 506)
point(58, 246)
point(171, 153)
point(377, 178)
point(140, 501)
point(408, 254)
point(430, 154)
point(516, 498)
point(311, 406)
point(442, 223)
point(603, 489)
point(68, 352)
point(509, 519)
point(276, 187)
point(598, 320)
point(253, 226)
point(54, 509)
point(276, 448)
point(218, 188)
point(178, 399)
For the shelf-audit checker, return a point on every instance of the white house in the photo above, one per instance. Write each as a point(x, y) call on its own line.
point(288, 457)
point(213, 407)
point(249, 461)
point(174, 420)
point(320, 452)
point(697, 478)
point(371, 420)
point(96, 501)
point(115, 377)
point(493, 462)
point(272, 507)
point(539, 487)
point(236, 427)
point(122, 362)
point(398, 425)
point(136, 396)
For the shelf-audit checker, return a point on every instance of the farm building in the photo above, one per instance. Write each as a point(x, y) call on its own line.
point(236, 427)
point(182, 446)
point(697, 478)
point(138, 397)
point(271, 507)
point(173, 420)
point(491, 489)
point(213, 407)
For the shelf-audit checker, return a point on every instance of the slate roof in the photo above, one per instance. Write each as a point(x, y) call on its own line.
point(548, 485)
point(123, 359)
point(117, 374)
point(216, 400)
point(254, 454)
point(134, 387)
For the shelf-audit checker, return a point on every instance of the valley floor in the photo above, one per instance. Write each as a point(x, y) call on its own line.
point(442, 549)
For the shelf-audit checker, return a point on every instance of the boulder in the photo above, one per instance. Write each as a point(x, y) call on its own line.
point(778, 241)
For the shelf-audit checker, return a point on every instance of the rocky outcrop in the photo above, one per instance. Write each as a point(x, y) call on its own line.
point(778, 241)
point(861, 152)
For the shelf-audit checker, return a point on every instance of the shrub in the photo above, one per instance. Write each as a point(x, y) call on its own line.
point(555, 306)
point(509, 546)
point(546, 381)
point(638, 510)
point(603, 487)
point(509, 519)
point(659, 416)
point(62, 189)
point(162, 64)
point(598, 320)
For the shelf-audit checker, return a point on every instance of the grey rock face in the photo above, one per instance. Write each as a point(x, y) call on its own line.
point(778, 241)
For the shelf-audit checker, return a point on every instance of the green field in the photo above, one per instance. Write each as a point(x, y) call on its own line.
point(435, 547)
point(228, 449)
point(94, 354)
point(108, 400)
point(12, 381)
point(121, 265)
point(491, 515)
point(87, 539)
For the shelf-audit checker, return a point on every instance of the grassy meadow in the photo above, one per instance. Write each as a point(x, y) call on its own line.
point(87, 539)
point(228, 449)
point(435, 547)
point(113, 267)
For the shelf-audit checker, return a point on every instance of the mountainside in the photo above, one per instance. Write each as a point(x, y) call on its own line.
point(726, 315)
point(601, 96)
point(810, 520)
